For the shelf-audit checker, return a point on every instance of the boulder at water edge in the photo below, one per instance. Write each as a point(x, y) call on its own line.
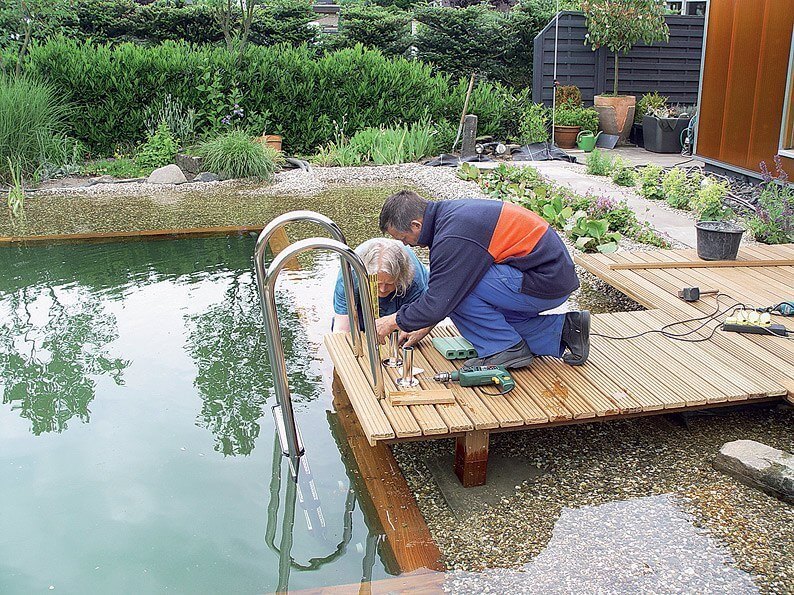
point(170, 174)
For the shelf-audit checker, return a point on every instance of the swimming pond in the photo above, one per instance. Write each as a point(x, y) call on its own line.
point(136, 440)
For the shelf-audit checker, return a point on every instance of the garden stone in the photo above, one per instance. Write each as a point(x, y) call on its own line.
point(101, 180)
point(170, 174)
point(469, 136)
point(759, 466)
point(189, 164)
point(206, 176)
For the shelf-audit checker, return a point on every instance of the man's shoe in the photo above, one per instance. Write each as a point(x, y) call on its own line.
point(576, 337)
point(518, 356)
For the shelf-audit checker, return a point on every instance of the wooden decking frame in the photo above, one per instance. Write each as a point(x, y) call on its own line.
point(644, 376)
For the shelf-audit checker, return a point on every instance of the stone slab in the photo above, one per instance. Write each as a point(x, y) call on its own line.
point(759, 466)
point(504, 474)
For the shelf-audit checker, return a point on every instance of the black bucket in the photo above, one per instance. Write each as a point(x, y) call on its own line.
point(718, 240)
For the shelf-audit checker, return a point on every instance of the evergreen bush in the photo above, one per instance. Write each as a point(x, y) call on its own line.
point(112, 87)
point(387, 29)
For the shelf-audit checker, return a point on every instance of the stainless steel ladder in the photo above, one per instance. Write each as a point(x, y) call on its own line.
point(283, 414)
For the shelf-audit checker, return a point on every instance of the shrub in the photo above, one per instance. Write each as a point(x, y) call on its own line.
point(623, 173)
point(459, 41)
point(234, 154)
point(32, 121)
point(772, 221)
point(385, 28)
point(534, 125)
point(301, 94)
point(568, 95)
point(679, 189)
point(568, 115)
point(652, 182)
point(445, 133)
point(708, 202)
point(599, 163)
point(159, 149)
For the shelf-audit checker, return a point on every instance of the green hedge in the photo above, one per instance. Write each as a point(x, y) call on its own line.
point(301, 96)
point(278, 21)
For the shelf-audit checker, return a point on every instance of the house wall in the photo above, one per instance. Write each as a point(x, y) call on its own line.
point(743, 87)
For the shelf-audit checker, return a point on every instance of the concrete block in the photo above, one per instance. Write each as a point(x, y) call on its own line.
point(759, 466)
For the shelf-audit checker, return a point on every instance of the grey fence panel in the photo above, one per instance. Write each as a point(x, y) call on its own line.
point(672, 68)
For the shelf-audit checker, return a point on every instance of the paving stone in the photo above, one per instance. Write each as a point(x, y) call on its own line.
point(759, 466)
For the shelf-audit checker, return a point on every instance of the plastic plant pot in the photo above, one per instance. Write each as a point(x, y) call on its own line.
point(718, 240)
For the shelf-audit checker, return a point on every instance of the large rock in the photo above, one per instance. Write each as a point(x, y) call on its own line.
point(759, 466)
point(189, 164)
point(206, 176)
point(170, 174)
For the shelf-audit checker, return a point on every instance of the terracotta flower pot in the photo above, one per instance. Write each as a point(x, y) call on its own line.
point(565, 136)
point(615, 114)
point(271, 140)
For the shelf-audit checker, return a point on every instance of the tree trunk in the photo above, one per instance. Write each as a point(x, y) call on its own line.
point(615, 91)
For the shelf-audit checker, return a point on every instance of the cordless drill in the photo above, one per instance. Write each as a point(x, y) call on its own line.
point(480, 376)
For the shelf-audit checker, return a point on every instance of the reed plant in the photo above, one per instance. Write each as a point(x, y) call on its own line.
point(32, 123)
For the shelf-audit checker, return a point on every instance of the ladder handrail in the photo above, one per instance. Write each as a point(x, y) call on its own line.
point(347, 278)
point(266, 284)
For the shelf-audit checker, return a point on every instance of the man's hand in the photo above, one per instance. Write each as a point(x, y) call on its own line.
point(412, 338)
point(386, 325)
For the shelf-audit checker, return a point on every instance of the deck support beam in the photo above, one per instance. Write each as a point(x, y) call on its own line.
point(471, 458)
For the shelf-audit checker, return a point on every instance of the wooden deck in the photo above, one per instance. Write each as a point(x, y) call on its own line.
point(643, 376)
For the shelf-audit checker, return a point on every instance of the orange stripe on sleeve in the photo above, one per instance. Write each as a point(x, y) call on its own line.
point(517, 232)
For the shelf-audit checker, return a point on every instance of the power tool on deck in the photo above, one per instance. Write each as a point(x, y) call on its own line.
point(480, 376)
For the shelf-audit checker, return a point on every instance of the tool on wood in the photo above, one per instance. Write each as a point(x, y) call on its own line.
point(693, 294)
point(480, 376)
point(783, 308)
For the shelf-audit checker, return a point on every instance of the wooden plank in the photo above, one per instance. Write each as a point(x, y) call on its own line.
point(471, 458)
point(477, 413)
point(420, 397)
point(421, 582)
point(702, 264)
point(406, 531)
point(375, 424)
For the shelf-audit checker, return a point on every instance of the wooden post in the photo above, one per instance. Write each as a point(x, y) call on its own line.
point(471, 458)
point(469, 136)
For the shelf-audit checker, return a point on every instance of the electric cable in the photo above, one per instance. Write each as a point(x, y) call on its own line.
point(680, 336)
point(706, 319)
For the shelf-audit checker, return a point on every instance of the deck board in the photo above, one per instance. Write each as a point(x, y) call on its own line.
point(645, 375)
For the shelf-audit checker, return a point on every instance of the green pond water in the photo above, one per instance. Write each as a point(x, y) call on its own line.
point(137, 448)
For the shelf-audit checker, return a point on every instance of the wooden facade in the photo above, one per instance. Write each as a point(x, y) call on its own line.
point(744, 85)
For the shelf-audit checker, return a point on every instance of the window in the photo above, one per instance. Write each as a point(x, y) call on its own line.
point(689, 7)
point(787, 129)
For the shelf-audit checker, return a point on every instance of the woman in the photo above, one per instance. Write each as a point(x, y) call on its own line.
point(401, 279)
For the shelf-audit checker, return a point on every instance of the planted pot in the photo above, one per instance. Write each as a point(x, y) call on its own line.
point(565, 136)
point(615, 114)
point(271, 140)
point(636, 135)
point(718, 240)
point(663, 135)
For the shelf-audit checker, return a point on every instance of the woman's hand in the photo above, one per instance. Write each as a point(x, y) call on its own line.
point(385, 326)
point(412, 338)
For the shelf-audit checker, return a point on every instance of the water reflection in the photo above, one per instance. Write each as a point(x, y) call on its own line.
point(234, 380)
point(53, 343)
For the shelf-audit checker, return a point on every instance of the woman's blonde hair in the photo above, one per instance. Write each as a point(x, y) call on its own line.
point(383, 255)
